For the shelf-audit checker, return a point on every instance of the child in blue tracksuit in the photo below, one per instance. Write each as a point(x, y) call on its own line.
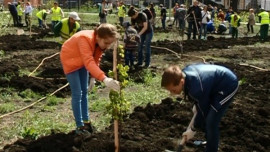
point(211, 88)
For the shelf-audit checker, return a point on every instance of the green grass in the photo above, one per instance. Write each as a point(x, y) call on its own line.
point(33, 125)
point(53, 101)
point(7, 107)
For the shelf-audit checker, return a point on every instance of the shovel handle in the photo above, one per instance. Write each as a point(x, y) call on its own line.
point(183, 140)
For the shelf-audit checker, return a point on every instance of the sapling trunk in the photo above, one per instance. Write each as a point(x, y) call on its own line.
point(116, 123)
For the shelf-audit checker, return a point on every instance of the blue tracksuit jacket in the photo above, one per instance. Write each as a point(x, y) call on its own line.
point(209, 86)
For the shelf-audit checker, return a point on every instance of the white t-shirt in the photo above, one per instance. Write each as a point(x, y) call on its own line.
point(204, 15)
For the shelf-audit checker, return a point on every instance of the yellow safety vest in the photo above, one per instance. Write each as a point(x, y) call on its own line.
point(264, 17)
point(64, 33)
point(56, 14)
point(121, 11)
point(19, 10)
point(40, 14)
point(234, 23)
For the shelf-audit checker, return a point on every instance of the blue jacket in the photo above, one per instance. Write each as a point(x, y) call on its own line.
point(209, 86)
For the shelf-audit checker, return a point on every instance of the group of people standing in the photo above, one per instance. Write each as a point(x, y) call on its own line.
point(17, 11)
point(203, 20)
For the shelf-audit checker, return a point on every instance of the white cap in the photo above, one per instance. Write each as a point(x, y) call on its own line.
point(74, 15)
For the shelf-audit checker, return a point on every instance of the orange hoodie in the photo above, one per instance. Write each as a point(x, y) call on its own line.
point(81, 50)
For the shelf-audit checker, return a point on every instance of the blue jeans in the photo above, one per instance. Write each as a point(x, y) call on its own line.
point(145, 38)
point(210, 125)
point(204, 29)
point(129, 59)
point(78, 82)
point(40, 23)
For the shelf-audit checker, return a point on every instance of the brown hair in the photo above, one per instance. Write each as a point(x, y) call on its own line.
point(107, 30)
point(131, 11)
point(171, 75)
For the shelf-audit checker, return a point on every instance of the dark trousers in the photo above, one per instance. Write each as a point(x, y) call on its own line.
point(175, 20)
point(15, 19)
point(234, 32)
point(121, 20)
point(54, 23)
point(20, 19)
point(250, 27)
point(264, 32)
point(192, 27)
point(27, 20)
point(129, 57)
point(163, 21)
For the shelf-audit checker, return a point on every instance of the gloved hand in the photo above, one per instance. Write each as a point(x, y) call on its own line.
point(188, 134)
point(91, 84)
point(111, 83)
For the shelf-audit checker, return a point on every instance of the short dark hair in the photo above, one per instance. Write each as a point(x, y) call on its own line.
point(172, 75)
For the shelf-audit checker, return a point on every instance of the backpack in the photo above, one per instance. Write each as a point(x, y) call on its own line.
point(148, 13)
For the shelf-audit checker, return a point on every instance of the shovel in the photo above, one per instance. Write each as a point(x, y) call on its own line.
point(180, 146)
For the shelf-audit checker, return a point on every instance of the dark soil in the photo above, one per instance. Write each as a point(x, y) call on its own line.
point(154, 128)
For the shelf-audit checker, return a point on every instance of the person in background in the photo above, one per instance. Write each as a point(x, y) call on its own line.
point(163, 16)
point(145, 31)
point(251, 20)
point(211, 88)
point(153, 11)
point(194, 19)
point(181, 13)
point(121, 12)
point(235, 23)
point(205, 20)
point(175, 20)
point(264, 20)
point(57, 14)
point(221, 28)
point(1, 7)
point(81, 55)
point(214, 13)
point(211, 27)
point(228, 18)
point(67, 26)
point(28, 14)
point(102, 12)
point(221, 15)
point(210, 8)
point(20, 13)
point(13, 11)
point(131, 40)
point(41, 15)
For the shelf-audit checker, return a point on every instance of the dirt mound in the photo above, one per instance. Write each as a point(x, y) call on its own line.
point(201, 45)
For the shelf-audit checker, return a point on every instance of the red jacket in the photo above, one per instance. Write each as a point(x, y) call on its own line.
point(81, 50)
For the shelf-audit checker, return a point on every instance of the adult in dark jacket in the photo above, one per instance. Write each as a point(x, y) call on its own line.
point(13, 11)
point(211, 88)
point(145, 31)
point(194, 19)
point(163, 16)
